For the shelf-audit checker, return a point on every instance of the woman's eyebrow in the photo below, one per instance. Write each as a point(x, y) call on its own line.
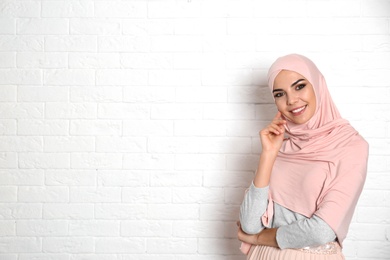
point(292, 85)
point(296, 82)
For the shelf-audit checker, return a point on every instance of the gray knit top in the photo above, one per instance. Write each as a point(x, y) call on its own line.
point(294, 229)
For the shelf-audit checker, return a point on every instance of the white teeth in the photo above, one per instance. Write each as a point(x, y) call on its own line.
point(298, 110)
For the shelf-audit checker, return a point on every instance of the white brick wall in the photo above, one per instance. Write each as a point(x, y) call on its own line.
point(129, 129)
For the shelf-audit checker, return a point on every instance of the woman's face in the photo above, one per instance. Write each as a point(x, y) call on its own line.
point(294, 96)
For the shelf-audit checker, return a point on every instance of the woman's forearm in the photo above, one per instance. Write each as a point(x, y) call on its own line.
point(264, 169)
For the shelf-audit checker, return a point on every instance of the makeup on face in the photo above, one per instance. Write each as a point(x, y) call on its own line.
point(294, 96)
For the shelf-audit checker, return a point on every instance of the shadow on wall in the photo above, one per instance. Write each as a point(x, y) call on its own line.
point(244, 142)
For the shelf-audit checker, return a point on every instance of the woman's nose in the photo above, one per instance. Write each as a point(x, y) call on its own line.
point(292, 100)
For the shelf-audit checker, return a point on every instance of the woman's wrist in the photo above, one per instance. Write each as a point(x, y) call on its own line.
point(264, 169)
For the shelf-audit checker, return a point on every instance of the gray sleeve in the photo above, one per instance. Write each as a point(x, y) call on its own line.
point(252, 208)
point(305, 232)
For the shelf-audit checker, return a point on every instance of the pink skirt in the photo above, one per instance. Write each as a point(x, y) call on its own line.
point(330, 251)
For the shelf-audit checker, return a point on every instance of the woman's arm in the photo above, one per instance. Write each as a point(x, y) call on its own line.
point(256, 199)
point(267, 237)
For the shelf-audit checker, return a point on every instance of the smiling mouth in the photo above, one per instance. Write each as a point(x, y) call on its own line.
point(298, 111)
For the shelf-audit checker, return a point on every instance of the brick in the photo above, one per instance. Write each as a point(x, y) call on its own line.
point(378, 8)
point(68, 9)
point(172, 77)
point(146, 195)
point(172, 245)
point(373, 215)
point(132, 9)
point(148, 127)
point(21, 110)
point(21, 177)
point(69, 77)
point(8, 194)
point(123, 43)
point(226, 111)
point(176, 111)
point(175, 43)
point(71, 43)
point(200, 95)
point(148, 26)
point(44, 160)
point(123, 178)
point(94, 195)
point(176, 179)
point(62, 110)
point(219, 245)
point(242, 162)
point(68, 211)
point(41, 26)
point(120, 211)
point(42, 127)
point(146, 60)
point(200, 128)
point(85, 26)
point(146, 228)
point(200, 162)
point(196, 26)
point(7, 228)
point(44, 256)
point(21, 43)
point(120, 245)
point(43, 194)
point(96, 160)
point(96, 94)
point(68, 245)
point(219, 212)
point(95, 127)
point(83, 60)
point(70, 177)
point(20, 244)
point(8, 93)
point(197, 229)
point(121, 77)
point(21, 211)
point(8, 60)
point(69, 144)
point(173, 211)
point(149, 94)
point(94, 228)
point(8, 160)
point(121, 144)
point(11, 8)
point(93, 257)
point(21, 144)
point(197, 195)
point(228, 178)
point(147, 161)
point(8, 127)
point(123, 111)
point(44, 60)
point(21, 76)
point(46, 228)
point(43, 94)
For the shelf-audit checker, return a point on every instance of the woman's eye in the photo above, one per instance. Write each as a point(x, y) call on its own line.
point(299, 87)
point(278, 94)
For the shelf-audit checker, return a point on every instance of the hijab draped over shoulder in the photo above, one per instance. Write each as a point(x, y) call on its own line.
point(321, 167)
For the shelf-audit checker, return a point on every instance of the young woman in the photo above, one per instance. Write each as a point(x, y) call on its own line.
point(310, 175)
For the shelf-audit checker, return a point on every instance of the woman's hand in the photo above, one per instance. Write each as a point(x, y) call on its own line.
point(267, 237)
point(273, 134)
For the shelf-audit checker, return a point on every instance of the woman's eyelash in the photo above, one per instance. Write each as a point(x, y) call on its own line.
point(301, 86)
point(278, 94)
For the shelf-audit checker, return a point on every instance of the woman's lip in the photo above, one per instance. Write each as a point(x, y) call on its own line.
point(299, 110)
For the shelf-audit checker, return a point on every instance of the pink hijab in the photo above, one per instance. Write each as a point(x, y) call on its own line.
point(321, 167)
